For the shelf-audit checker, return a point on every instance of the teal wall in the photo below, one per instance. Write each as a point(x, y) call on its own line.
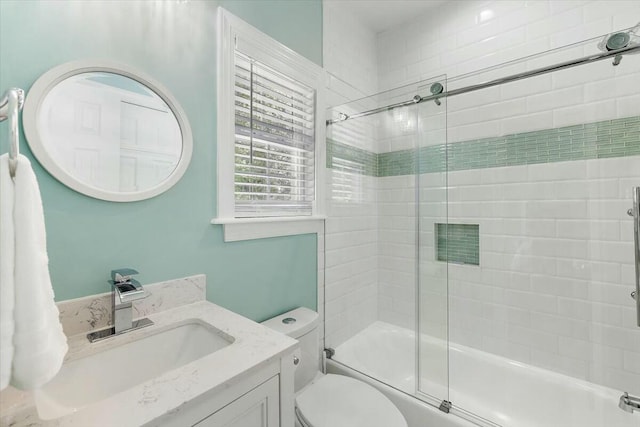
point(168, 236)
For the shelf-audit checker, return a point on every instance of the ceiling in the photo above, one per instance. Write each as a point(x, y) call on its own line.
point(380, 15)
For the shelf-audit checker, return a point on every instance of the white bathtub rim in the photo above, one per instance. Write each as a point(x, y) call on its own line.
point(551, 376)
point(411, 407)
point(538, 380)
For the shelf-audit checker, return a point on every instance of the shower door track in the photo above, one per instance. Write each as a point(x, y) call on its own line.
point(617, 54)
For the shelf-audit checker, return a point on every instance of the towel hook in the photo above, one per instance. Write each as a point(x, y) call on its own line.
point(10, 106)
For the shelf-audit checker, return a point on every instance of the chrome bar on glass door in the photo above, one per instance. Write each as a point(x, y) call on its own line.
point(635, 212)
point(632, 48)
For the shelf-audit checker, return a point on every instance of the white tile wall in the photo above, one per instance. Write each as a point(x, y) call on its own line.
point(467, 36)
point(549, 289)
point(397, 250)
point(351, 274)
point(349, 48)
point(500, 31)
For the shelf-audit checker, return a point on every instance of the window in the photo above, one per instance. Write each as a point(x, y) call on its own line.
point(274, 142)
point(270, 133)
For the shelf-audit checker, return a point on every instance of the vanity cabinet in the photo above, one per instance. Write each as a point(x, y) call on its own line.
point(257, 408)
point(262, 397)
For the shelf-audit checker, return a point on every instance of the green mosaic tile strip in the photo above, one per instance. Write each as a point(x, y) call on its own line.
point(611, 138)
point(357, 160)
point(397, 163)
point(458, 243)
point(433, 158)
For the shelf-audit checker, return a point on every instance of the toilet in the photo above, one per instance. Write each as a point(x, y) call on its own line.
point(330, 400)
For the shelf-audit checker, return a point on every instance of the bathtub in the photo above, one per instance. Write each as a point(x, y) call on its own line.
point(484, 388)
point(416, 412)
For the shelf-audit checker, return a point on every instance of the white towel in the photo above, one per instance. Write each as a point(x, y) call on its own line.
point(7, 250)
point(39, 342)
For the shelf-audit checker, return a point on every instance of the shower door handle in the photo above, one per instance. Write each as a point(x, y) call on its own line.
point(635, 212)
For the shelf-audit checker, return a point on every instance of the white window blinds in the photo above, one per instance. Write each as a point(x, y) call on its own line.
point(274, 142)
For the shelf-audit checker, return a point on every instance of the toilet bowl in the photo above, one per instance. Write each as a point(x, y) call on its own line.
point(330, 400)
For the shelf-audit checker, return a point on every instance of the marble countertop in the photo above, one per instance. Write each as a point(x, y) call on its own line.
point(254, 346)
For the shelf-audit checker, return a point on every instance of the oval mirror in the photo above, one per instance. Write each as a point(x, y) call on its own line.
point(107, 131)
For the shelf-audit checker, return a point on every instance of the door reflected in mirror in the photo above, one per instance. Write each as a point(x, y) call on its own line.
point(110, 132)
point(106, 134)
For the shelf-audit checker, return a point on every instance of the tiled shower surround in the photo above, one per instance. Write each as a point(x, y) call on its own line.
point(554, 236)
point(556, 267)
point(556, 258)
point(544, 167)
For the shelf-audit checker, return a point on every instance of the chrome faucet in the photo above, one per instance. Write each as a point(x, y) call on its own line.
point(629, 403)
point(124, 290)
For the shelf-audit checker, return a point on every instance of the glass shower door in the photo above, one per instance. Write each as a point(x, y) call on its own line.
point(432, 361)
point(370, 237)
point(376, 148)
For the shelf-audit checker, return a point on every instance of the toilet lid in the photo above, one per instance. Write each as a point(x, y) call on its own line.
point(339, 401)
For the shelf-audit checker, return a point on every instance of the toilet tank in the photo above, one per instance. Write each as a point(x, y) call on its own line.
point(301, 324)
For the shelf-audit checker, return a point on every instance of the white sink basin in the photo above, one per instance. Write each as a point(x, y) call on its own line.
point(101, 375)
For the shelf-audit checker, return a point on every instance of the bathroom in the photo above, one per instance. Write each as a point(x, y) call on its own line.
point(545, 264)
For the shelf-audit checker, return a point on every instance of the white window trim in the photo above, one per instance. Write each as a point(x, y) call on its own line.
point(237, 229)
point(234, 32)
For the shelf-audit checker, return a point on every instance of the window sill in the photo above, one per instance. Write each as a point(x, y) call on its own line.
point(237, 229)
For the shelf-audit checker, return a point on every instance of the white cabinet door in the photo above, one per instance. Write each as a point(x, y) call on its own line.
point(258, 408)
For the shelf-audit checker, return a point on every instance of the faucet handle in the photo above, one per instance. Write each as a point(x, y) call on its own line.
point(124, 286)
point(122, 275)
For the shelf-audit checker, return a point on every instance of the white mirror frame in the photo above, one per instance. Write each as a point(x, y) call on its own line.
point(51, 78)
